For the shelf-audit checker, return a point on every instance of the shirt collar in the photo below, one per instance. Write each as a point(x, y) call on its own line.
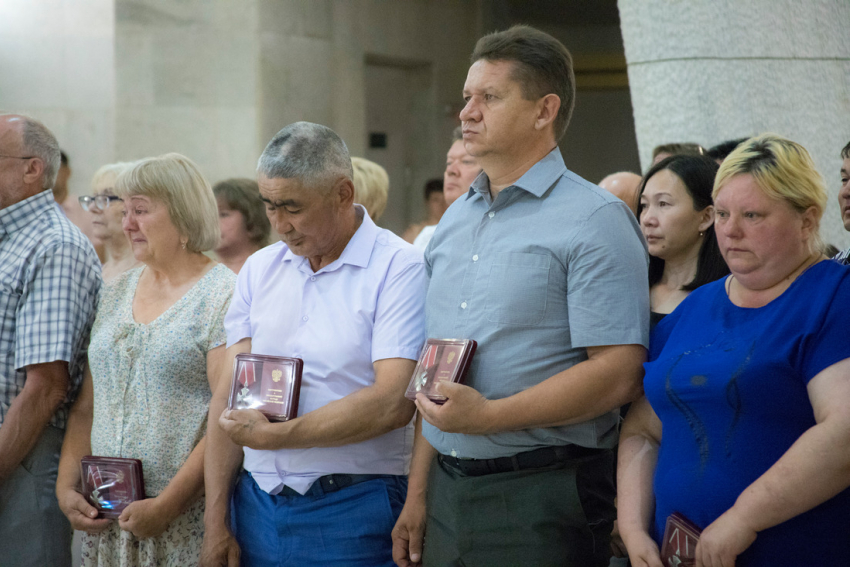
point(357, 252)
point(24, 213)
point(536, 180)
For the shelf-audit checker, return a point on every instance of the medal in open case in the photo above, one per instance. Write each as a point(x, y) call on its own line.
point(270, 384)
point(110, 484)
point(442, 360)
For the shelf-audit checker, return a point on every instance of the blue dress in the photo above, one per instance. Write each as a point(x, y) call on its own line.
point(729, 385)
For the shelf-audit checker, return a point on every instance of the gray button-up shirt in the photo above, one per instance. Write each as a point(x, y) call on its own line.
point(552, 266)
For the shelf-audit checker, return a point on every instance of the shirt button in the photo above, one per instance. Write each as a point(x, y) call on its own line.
point(453, 453)
point(313, 278)
point(463, 305)
point(304, 318)
point(491, 215)
point(475, 258)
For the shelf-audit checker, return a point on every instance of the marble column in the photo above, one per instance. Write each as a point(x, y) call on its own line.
point(712, 70)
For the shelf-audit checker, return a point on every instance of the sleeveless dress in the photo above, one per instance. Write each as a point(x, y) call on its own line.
point(151, 397)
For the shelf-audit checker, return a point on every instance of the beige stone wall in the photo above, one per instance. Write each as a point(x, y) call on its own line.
point(57, 64)
point(313, 66)
point(712, 70)
point(215, 79)
point(187, 77)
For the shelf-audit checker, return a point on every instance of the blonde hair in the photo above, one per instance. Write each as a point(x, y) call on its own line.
point(783, 170)
point(109, 171)
point(371, 186)
point(176, 181)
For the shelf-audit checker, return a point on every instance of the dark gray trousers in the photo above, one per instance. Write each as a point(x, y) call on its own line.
point(560, 516)
point(33, 530)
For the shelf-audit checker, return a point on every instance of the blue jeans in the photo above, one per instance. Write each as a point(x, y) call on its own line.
point(349, 527)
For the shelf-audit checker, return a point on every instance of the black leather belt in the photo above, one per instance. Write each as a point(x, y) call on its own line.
point(335, 482)
point(537, 459)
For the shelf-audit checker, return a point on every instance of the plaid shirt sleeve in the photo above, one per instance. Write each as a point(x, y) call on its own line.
point(57, 308)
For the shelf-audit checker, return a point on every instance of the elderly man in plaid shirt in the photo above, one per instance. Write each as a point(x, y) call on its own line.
point(49, 284)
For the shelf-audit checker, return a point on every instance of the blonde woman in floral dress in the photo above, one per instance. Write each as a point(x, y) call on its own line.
point(155, 352)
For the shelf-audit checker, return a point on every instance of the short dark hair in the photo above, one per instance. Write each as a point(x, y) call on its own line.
point(542, 66)
point(433, 186)
point(723, 149)
point(845, 153)
point(697, 175)
point(243, 195)
point(679, 149)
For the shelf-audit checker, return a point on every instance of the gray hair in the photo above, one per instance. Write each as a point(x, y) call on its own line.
point(40, 142)
point(312, 153)
point(457, 134)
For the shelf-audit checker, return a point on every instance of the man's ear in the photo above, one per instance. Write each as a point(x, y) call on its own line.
point(343, 192)
point(34, 171)
point(547, 110)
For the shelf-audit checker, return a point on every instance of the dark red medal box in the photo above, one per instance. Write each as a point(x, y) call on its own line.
point(441, 360)
point(269, 384)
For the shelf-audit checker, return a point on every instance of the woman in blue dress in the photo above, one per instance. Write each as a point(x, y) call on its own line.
point(749, 381)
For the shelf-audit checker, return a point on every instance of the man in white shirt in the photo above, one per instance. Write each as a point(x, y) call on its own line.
point(348, 298)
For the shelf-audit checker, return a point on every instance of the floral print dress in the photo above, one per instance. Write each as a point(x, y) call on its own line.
point(151, 397)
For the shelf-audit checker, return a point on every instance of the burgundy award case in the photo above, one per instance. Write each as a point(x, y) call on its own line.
point(442, 360)
point(110, 484)
point(680, 541)
point(270, 384)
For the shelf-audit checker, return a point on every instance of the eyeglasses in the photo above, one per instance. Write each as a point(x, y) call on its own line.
point(102, 202)
point(18, 157)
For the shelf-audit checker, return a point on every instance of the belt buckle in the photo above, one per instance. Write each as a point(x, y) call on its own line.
point(454, 463)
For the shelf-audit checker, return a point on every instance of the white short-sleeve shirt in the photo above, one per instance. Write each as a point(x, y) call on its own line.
point(367, 305)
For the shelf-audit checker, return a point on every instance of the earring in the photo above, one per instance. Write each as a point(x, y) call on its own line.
point(183, 244)
point(701, 235)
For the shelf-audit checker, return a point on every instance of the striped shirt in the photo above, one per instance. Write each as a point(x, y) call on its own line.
point(49, 286)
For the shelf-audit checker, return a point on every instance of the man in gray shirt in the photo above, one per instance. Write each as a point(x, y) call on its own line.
point(548, 273)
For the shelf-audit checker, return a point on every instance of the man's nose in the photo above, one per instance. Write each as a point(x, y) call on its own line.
point(469, 111)
point(280, 221)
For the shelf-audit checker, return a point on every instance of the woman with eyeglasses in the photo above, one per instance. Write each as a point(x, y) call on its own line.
point(106, 210)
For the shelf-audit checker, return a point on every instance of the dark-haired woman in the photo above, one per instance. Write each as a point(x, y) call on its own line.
point(677, 219)
point(676, 216)
point(244, 225)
